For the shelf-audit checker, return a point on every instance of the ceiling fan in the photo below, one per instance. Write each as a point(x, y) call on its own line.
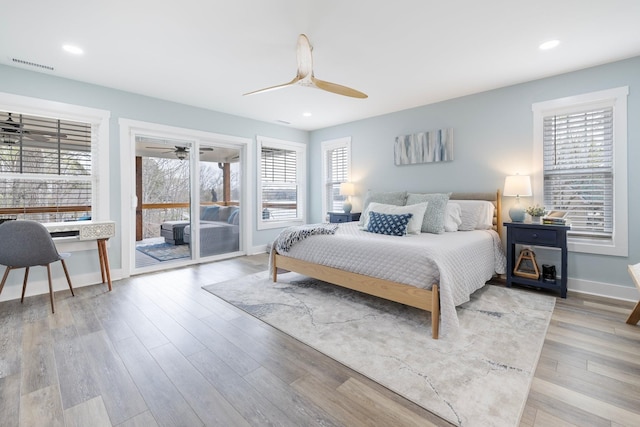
point(12, 131)
point(180, 152)
point(305, 76)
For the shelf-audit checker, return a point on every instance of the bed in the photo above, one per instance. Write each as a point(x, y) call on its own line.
point(428, 271)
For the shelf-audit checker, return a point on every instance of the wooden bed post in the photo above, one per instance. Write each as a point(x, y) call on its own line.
point(435, 312)
point(274, 273)
point(499, 214)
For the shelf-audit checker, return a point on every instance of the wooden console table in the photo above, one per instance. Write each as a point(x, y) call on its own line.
point(100, 231)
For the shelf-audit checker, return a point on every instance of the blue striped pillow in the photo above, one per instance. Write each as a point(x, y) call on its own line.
point(393, 225)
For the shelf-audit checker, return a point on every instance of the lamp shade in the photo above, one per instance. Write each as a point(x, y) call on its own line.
point(347, 189)
point(517, 185)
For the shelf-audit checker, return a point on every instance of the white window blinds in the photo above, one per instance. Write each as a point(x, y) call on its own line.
point(337, 163)
point(45, 168)
point(578, 169)
point(279, 183)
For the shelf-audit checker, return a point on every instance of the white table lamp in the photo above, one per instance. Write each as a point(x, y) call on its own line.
point(517, 185)
point(347, 189)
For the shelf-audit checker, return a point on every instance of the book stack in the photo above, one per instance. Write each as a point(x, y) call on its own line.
point(555, 218)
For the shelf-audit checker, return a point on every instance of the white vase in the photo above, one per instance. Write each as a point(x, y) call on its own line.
point(536, 219)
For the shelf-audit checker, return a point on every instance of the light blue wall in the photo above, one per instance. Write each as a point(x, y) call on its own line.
point(136, 107)
point(493, 137)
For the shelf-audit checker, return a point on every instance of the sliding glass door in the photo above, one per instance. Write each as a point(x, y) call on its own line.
point(163, 212)
point(175, 224)
point(219, 194)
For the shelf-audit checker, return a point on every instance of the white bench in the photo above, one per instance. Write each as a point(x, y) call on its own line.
point(634, 271)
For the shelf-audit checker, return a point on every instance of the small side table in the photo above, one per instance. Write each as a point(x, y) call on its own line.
point(525, 233)
point(344, 217)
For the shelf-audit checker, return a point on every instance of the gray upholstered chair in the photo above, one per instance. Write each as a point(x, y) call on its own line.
point(25, 244)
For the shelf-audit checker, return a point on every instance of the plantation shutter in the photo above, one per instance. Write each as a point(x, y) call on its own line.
point(279, 183)
point(578, 169)
point(45, 168)
point(337, 173)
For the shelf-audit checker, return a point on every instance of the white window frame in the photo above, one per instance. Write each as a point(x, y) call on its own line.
point(301, 178)
point(99, 120)
point(616, 98)
point(327, 146)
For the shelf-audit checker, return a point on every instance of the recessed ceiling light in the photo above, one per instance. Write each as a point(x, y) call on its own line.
point(306, 114)
point(73, 49)
point(549, 44)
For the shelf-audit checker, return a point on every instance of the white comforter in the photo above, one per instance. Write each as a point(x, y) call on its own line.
point(459, 262)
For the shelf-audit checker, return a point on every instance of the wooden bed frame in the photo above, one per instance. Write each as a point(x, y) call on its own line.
point(424, 299)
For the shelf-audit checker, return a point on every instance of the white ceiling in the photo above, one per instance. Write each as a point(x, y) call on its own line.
point(403, 54)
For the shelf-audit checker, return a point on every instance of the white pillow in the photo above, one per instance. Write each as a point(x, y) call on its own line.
point(415, 223)
point(476, 214)
point(452, 217)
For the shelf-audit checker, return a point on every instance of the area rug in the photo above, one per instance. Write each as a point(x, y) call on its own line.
point(165, 251)
point(479, 376)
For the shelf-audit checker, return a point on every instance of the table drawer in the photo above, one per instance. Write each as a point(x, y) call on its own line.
point(343, 216)
point(339, 218)
point(535, 237)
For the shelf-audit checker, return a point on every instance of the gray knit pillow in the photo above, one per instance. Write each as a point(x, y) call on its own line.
point(398, 198)
point(433, 221)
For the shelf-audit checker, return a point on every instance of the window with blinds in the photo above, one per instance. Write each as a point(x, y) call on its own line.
point(337, 172)
point(279, 184)
point(580, 142)
point(578, 169)
point(46, 169)
point(282, 183)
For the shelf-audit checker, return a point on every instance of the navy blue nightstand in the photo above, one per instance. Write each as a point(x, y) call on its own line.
point(343, 217)
point(523, 233)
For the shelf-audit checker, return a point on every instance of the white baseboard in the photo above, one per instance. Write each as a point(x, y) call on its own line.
point(13, 290)
point(35, 287)
point(625, 293)
point(255, 250)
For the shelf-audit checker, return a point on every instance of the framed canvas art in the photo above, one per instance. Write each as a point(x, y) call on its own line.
point(424, 147)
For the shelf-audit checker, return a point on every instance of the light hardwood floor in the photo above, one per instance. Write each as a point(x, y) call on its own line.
point(159, 350)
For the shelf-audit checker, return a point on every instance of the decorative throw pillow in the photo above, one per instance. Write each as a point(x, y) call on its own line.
point(225, 212)
point(210, 213)
point(232, 217)
point(452, 217)
point(433, 221)
point(397, 198)
point(415, 223)
point(476, 214)
point(393, 225)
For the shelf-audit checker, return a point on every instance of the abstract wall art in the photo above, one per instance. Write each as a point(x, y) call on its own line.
point(424, 147)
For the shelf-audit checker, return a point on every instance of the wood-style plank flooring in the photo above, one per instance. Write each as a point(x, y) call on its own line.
point(159, 350)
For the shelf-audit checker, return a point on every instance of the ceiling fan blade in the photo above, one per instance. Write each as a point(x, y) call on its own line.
point(336, 88)
point(45, 133)
point(39, 138)
point(304, 57)
point(305, 75)
point(268, 89)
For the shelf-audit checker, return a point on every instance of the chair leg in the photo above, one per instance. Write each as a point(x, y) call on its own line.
point(66, 273)
point(53, 310)
point(4, 278)
point(24, 283)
